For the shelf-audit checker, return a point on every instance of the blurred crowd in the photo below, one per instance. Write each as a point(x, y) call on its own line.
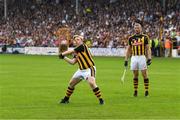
point(103, 24)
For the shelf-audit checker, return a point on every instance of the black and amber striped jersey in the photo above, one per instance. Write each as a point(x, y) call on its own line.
point(84, 57)
point(138, 43)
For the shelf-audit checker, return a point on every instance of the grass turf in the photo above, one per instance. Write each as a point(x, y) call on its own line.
point(31, 87)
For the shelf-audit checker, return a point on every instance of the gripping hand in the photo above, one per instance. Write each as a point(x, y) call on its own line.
point(126, 64)
point(149, 62)
point(61, 56)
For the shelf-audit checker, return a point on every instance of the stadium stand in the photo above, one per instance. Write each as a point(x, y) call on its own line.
point(104, 24)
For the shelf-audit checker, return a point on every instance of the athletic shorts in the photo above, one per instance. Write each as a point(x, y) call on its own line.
point(84, 74)
point(138, 63)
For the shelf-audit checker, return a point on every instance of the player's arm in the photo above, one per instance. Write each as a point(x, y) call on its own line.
point(148, 54)
point(127, 55)
point(76, 50)
point(70, 61)
point(62, 55)
point(128, 52)
point(148, 51)
point(68, 52)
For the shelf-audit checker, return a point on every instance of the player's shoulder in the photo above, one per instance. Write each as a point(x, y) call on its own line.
point(131, 36)
point(145, 35)
point(79, 48)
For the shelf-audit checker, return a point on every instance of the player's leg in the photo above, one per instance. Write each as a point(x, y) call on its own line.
point(92, 82)
point(135, 81)
point(134, 68)
point(143, 68)
point(72, 83)
point(146, 81)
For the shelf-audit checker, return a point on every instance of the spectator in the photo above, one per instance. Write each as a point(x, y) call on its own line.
point(105, 24)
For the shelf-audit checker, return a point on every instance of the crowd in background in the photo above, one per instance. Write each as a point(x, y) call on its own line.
point(103, 24)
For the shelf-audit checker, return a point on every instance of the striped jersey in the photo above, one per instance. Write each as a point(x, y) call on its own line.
point(138, 43)
point(84, 57)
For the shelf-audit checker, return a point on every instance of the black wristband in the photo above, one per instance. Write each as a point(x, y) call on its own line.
point(125, 63)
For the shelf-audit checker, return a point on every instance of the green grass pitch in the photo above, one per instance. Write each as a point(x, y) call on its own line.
point(31, 87)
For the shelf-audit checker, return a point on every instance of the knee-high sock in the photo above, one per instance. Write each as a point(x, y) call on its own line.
point(69, 92)
point(97, 92)
point(135, 84)
point(146, 84)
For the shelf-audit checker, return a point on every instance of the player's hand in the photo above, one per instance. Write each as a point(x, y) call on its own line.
point(126, 64)
point(61, 56)
point(149, 62)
